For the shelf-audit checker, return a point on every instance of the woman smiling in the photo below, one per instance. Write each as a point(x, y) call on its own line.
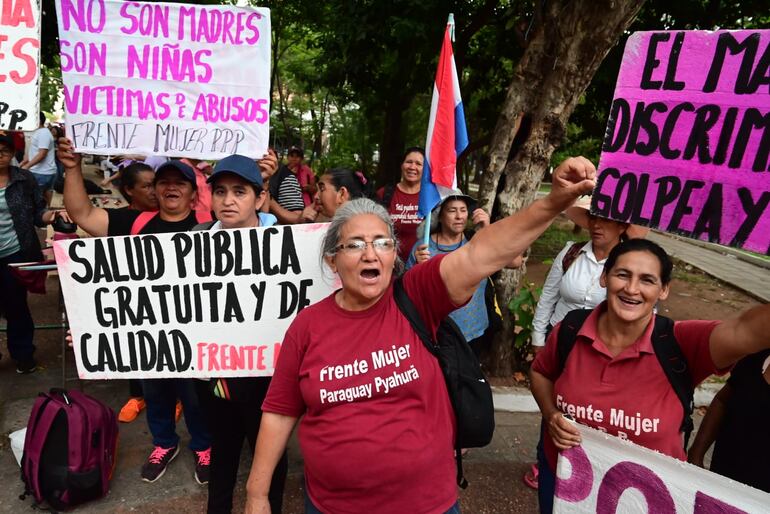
point(614, 365)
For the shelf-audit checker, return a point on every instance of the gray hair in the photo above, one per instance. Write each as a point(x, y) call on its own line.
point(348, 211)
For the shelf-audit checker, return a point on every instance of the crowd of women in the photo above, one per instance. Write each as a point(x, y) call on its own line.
point(392, 450)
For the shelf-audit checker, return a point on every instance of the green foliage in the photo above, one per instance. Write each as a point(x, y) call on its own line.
point(552, 241)
point(576, 142)
point(50, 85)
point(522, 308)
point(591, 114)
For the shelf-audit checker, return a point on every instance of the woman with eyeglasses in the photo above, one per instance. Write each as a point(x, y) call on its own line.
point(376, 429)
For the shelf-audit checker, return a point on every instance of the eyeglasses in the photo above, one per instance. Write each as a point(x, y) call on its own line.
point(356, 246)
point(6, 152)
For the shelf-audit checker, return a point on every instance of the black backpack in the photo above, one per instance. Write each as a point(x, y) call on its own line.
point(666, 349)
point(469, 391)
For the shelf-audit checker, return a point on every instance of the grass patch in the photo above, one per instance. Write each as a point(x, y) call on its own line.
point(552, 241)
point(690, 274)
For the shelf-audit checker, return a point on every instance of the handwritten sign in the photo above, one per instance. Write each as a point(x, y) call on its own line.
point(606, 474)
point(688, 137)
point(165, 79)
point(19, 64)
point(189, 304)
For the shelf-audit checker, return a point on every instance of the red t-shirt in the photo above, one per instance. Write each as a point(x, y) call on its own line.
point(305, 177)
point(203, 198)
point(629, 395)
point(403, 211)
point(378, 429)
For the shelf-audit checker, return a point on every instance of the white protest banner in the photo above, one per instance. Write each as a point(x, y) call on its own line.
point(606, 474)
point(165, 79)
point(19, 64)
point(188, 304)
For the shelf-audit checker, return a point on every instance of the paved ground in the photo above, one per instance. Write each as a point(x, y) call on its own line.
point(494, 472)
point(724, 265)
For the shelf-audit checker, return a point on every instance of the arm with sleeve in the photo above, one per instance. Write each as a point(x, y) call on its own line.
point(546, 305)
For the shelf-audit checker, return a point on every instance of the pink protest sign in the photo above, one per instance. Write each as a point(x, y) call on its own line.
point(688, 137)
point(165, 79)
point(19, 58)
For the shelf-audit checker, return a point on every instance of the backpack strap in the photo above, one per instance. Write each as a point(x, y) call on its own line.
point(666, 348)
point(674, 365)
point(141, 221)
point(572, 254)
point(568, 331)
point(409, 311)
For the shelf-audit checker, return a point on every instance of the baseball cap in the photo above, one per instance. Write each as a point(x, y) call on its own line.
point(186, 171)
point(240, 165)
point(7, 140)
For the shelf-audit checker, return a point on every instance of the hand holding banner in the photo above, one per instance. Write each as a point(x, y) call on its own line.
point(608, 474)
point(188, 304)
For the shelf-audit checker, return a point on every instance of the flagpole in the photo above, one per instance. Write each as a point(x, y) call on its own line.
point(426, 236)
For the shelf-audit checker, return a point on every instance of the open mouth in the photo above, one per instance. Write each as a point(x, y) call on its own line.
point(370, 274)
point(628, 301)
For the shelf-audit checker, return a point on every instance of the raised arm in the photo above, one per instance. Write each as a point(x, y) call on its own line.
point(93, 220)
point(737, 337)
point(498, 244)
point(274, 432)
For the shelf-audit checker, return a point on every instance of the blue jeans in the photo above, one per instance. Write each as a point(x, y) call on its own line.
point(312, 509)
point(161, 394)
point(13, 306)
point(44, 182)
point(546, 478)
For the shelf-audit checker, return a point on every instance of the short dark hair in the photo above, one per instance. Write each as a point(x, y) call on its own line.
point(295, 150)
point(129, 176)
point(42, 118)
point(642, 245)
point(355, 183)
point(411, 149)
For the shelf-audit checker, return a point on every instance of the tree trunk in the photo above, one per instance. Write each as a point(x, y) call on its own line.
point(561, 58)
point(392, 143)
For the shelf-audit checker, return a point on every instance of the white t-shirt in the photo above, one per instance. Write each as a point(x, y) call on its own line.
point(42, 138)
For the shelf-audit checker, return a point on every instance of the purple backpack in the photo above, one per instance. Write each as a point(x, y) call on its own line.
point(69, 450)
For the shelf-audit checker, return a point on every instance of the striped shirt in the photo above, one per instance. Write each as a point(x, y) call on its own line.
point(290, 194)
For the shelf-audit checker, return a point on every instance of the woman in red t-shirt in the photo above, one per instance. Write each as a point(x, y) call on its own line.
point(612, 379)
point(402, 200)
point(376, 429)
